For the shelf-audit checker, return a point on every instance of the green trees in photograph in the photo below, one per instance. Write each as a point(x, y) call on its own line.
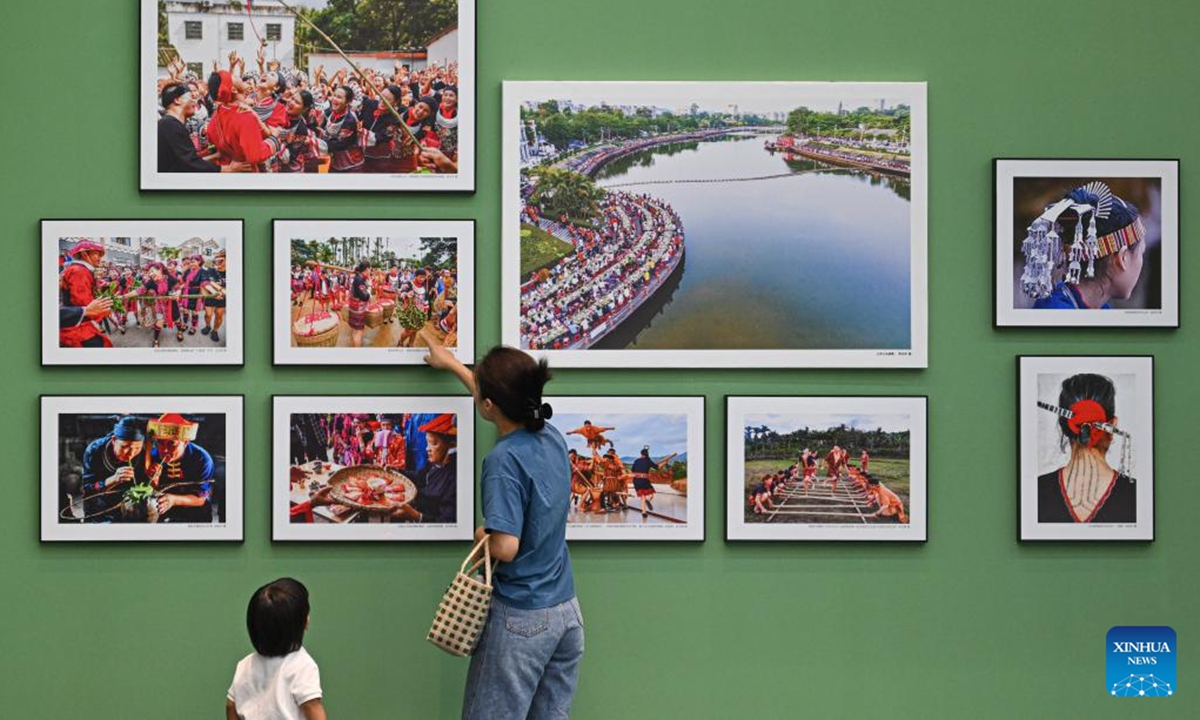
point(439, 252)
point(436, 252)
point(803, 121)
point(383, 25)
point(764, 442)
point(561, 126)
point(564, 192)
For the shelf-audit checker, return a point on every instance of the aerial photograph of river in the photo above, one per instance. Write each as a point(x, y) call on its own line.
point(694, 224)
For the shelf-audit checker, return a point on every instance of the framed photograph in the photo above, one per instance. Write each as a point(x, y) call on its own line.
point(715, 224)
point(142, 292)
point(827, 468)
point(374, 468)
point(1087, 243)
point(637, 466)
point(307, 95)
point(141, 468)
point(1087, 447)
point(360, 292)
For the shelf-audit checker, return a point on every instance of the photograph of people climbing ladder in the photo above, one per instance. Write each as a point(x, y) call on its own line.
point(839, 468)
point(715, 224)
point(637, 467)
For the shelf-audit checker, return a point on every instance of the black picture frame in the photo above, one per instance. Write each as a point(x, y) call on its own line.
point(1003, 245)
point(241, 468)
point(705, 485)
point(474, 306)
point(143, 5)
point(727, 510)
point(469, 468)
point(164, 358)
point(1020, 450)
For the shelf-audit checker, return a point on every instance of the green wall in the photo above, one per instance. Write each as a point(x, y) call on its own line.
point(970, 624)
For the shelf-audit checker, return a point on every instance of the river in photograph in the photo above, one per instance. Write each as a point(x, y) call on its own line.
point(816, 259)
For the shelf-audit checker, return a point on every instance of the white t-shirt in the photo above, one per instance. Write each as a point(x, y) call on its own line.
point(274, 688)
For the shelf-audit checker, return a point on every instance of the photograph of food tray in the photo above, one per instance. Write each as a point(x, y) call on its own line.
point(357, 468)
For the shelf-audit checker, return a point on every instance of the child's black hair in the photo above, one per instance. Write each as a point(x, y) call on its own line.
point(277, 616)
point(514, 382)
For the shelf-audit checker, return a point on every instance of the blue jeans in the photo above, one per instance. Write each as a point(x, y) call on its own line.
point(526, 664)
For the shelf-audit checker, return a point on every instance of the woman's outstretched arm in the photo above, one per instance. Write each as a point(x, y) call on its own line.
point(442, 359)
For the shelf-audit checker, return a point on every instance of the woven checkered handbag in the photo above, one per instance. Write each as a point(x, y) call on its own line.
point(464, 608)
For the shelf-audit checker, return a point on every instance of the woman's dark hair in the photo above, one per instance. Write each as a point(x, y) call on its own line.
point(276, 617)
point(306, 99)
point(362, 266)
point(514, 382)
point(396, 93)
point(1086, 386)
point(349, 94)
point(214, 85)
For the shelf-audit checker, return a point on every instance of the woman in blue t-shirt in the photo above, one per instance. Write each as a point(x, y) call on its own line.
point(527, 662)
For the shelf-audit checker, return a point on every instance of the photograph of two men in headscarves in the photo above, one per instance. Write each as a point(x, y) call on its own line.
point(141, 468)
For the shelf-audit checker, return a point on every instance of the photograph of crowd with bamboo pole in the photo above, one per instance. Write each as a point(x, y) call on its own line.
point(840, 468)
point(637, 466)
point(141, 292)
point(308, 95)
point(367, 297)
point(646, 224)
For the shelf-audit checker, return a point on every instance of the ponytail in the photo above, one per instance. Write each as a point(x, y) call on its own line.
point(514, 382)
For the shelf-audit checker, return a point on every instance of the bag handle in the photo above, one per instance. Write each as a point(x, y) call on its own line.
point(470, 564)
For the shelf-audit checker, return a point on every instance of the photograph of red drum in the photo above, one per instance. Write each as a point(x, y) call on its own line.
point(364, 292)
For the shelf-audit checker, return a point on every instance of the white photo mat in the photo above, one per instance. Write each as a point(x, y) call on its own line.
point(1133, 378)
point(53, 406)
point(287, 230)
point(738, 408)
point(1009, 170)
point(152, 179)
point(516, 93)
point(600, 407)
point(233, 330)
point(284, 406)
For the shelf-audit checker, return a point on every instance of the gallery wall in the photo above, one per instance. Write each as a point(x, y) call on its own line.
point(969, 623)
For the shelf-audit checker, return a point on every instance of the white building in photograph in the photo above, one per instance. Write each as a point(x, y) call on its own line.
point(117, 250)
point(442, 49)
point(206, 31)
point(138, 251)
point(384, 62)
point(204, 247)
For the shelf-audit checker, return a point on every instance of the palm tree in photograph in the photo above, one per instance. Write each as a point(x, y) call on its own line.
point(562, 192)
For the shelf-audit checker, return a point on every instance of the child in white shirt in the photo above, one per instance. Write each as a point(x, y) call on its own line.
point(280, 680)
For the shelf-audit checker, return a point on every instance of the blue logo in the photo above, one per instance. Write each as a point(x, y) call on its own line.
point(1141, 661)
